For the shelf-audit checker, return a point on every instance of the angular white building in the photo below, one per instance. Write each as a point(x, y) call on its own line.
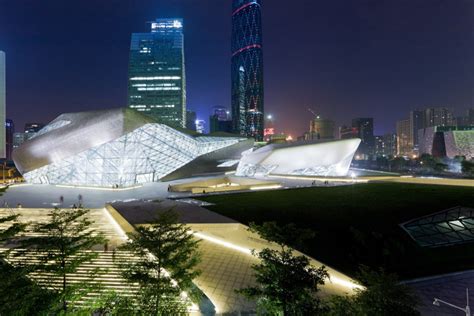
point(112, 147)
point(331, 159)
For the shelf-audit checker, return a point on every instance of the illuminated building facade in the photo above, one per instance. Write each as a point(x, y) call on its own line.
point(331, 158)
point(157, 78)
point(118, 147)
point(247, 69)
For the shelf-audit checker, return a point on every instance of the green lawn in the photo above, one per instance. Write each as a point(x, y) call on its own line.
point(360, 223)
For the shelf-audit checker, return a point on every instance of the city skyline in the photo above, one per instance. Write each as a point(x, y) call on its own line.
point(374, 60)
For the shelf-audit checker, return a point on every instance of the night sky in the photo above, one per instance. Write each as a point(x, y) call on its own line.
point(343, 58)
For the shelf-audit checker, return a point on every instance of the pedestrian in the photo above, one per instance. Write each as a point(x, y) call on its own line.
point(61, 199)
point(79, 198)
point(106, 247)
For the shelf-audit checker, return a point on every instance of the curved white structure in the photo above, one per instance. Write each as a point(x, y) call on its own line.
point(331, 159)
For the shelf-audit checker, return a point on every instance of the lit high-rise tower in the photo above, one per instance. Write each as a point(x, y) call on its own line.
point(247, 69)
point(3, 153)
point(157, 80)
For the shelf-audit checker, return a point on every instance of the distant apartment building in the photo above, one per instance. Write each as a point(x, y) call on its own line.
point(321, 129)
point(408, 141)
point(404, 138)
point(157, 81)
point(386, 145)
point(438, 116)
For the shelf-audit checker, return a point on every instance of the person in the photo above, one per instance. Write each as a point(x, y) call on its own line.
point(74, 206)
point(106, 247)
point(61, 199)
point(79, 198)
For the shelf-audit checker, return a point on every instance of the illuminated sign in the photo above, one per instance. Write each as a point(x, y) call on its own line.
point(268, 131)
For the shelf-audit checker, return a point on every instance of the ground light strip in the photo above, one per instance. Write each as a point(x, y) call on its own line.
point(332, 279)
point(97, 188)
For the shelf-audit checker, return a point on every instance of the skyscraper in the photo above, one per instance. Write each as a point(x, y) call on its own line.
point(3, 153)
point(157, 79)
point(247, 69)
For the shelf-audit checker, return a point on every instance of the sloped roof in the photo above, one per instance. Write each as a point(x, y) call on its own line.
point(73, 133)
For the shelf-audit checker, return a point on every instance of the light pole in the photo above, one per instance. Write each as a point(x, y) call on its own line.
point(466, 310)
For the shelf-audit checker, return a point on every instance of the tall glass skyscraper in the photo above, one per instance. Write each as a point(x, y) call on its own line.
point(247, 69)
point(3, 153)
point(157, 79)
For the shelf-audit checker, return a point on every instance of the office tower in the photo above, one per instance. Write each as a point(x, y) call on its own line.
point(438, 117)
point(247, 69)
point(191, 120)
point(320, 128)
point(157, 79)
point(365, 128)
point(404, 138)
point(9, 130)
point(3, 153)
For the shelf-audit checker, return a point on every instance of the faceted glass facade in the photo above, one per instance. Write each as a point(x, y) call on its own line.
point(146, 154)
point(453, 226)
point(157, 80)
point(247, 69)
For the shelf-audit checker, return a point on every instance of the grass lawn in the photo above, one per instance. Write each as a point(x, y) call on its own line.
point(360, 223)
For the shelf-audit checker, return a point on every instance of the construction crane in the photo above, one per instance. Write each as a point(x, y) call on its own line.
point(313, 112)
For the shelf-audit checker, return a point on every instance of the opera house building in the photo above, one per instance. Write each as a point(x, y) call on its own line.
point(118, 147)
point(123, 148)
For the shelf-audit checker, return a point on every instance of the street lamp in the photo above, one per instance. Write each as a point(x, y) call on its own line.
point(466, 310)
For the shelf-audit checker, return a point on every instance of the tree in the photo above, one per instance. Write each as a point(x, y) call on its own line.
point(383, 295)
point(61, 246)
point(467, 167)
point(18, 294)
point(166, 255)
point(286, 284)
